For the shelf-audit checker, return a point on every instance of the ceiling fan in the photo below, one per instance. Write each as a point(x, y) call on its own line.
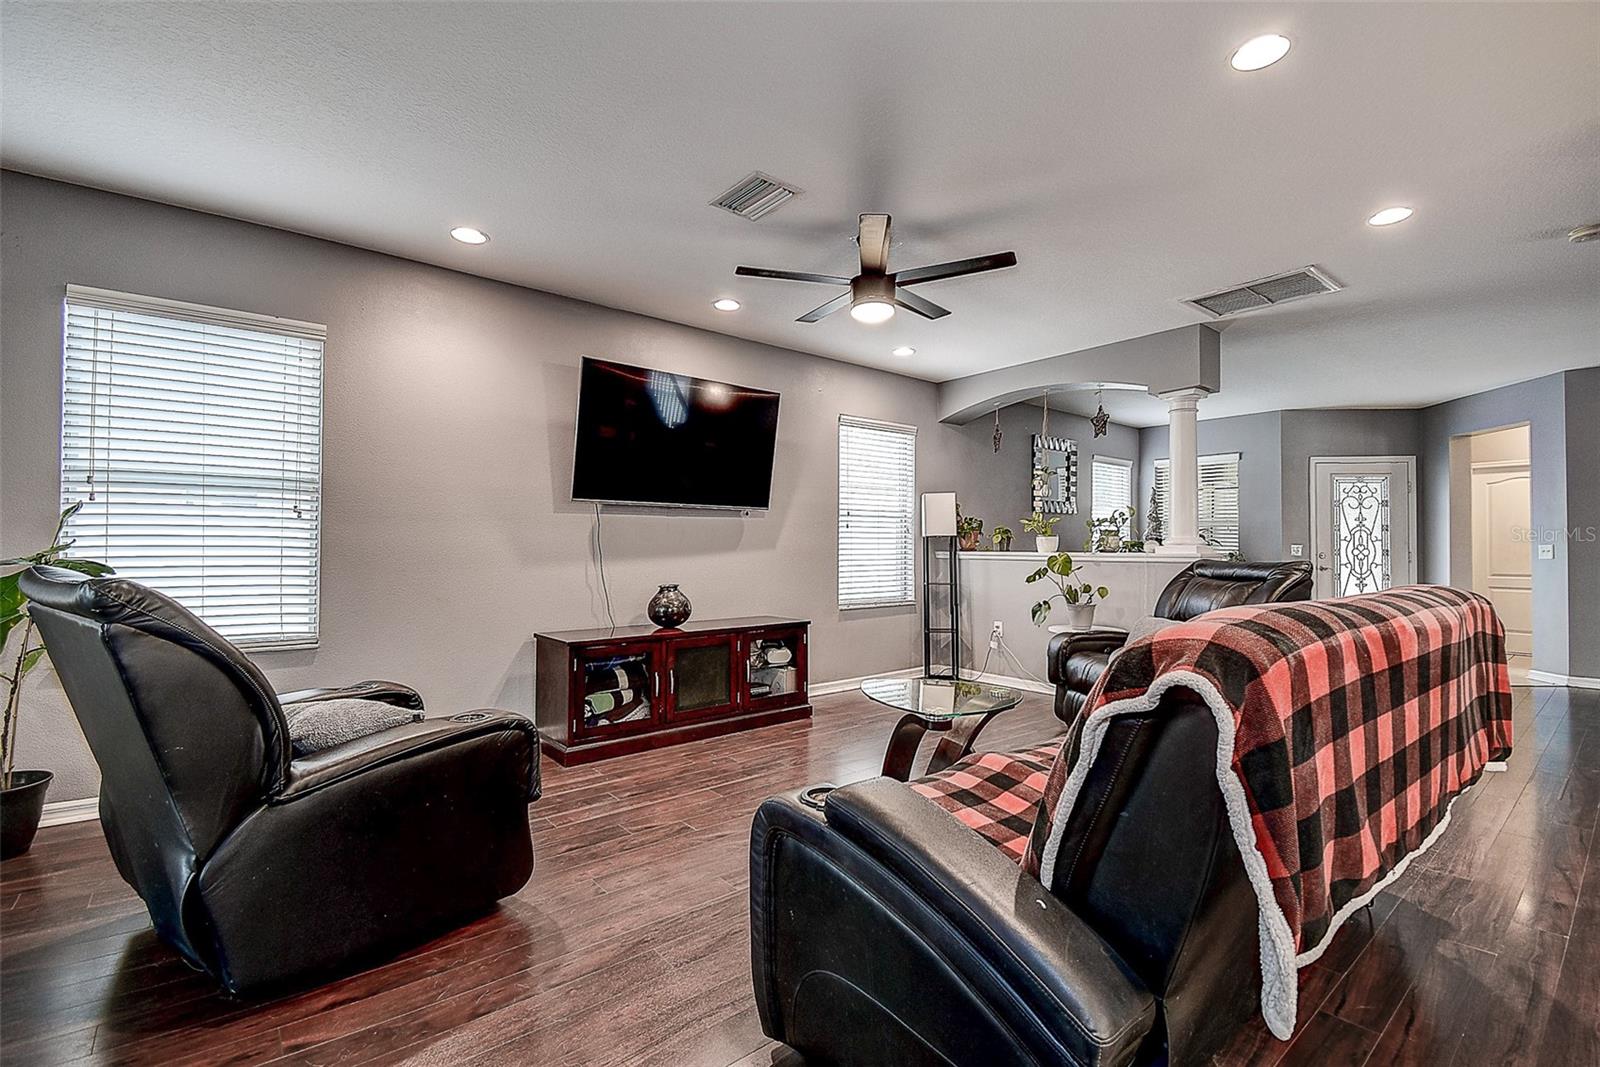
point(875, 292)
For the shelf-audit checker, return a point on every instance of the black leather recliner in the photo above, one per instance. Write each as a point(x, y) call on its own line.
point(1075, 661)
point(259, 867)
point(883, 930)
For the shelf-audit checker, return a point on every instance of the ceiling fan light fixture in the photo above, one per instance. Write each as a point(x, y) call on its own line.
point(1260, 52)
point(872, 311)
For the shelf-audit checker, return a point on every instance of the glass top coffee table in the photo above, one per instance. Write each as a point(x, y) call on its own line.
point(958, 709)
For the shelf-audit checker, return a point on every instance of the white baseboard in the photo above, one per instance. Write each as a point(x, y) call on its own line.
point(845, 685)
point(1576, 681)
point(65, 811)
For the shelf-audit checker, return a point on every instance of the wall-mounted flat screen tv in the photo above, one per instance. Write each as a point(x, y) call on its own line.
point(654, 437)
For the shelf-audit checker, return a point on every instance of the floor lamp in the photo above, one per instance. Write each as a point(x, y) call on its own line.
point(941, 588)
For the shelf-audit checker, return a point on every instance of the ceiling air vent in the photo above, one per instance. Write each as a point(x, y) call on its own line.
point(1265, 292)
point(754, 196)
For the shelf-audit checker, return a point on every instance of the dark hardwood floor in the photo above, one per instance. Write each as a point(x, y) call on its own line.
point(629, 946)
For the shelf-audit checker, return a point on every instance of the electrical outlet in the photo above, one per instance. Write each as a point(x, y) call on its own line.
point(1297, 551)
point(1547, 551)
point(999, 630)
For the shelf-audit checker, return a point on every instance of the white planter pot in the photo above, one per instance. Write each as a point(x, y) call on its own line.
point(1046, 544)
point(1080, 616)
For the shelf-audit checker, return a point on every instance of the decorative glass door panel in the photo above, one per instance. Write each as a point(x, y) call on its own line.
point(1360, 533)
point(1362, 512)
point(701, 677)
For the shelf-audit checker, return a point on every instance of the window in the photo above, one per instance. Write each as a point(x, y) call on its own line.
point(193, 437)
point(877, 522)
point(1111, 488)
point(1219, 499)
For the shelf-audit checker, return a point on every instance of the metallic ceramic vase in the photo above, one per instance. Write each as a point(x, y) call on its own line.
point(669, 608)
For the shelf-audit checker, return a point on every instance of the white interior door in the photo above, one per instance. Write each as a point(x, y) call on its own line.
point(1502, 554)
point(1363, 511)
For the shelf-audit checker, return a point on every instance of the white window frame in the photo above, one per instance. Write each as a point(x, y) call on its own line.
point(1100, 510)
point(185, 427)
point(866, 576)
point(1223, 535)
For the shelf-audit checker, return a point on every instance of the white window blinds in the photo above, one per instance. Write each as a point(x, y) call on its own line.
point(193, 437)
point(1219, 499)
point(1111, 487)
point(877, 524)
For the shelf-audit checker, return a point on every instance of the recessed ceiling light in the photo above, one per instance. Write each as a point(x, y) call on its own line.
point(905, 350)
point(469, 236)
point(1389, 216)
point(872, 312)
point(726, 304)
point(1260, 52)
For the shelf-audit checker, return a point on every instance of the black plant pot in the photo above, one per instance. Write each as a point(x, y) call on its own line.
point(21, 807)
point(669, 608)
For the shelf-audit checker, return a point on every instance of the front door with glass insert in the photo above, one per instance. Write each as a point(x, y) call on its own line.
point(1362, 511)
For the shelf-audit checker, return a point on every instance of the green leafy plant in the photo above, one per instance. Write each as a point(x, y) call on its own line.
point(1040, 524)
point(14, 613)
point(1105, 534)
point(969, 530)
point(1058, 570)
point(1001, 536)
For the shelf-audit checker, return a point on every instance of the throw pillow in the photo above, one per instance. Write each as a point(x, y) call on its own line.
point(316, 725)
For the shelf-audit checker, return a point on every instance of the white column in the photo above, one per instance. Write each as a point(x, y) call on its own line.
point(1183, 510)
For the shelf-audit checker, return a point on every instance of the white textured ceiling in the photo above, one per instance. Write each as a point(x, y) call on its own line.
point(1109, 145)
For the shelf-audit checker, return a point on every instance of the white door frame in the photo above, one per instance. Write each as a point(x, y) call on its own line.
point(1411, 498)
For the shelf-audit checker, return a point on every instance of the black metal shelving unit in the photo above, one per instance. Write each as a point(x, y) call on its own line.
point(949, 624)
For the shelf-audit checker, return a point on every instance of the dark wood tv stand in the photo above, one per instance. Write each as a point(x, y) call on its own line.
point(610, 691)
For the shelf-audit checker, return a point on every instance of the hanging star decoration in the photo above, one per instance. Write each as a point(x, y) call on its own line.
point(997, 434)
point(1100, 420)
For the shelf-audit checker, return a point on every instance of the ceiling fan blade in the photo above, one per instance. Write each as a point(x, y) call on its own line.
point(790, 275)
point(926, 308)
point(872, 234)
point(956, 269)
point(837, 303)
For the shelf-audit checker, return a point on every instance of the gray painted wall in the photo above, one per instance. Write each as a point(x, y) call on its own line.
point(448, 533)
point(1582, 539)
point(1345, 432)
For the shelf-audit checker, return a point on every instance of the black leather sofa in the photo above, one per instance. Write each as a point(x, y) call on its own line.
point(1075, 661)
point(885, 931)
point(261, 868)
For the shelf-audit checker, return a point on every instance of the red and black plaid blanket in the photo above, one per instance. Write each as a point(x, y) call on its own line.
point(995, 793)
point(1345, 729)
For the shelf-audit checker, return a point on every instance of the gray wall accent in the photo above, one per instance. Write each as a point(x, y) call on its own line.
point(448, 533)
point(1542, 404)
point(1344, 432)
point(1582, 541)
point(1259, 441)
point(998, 488)
point(1186, 357)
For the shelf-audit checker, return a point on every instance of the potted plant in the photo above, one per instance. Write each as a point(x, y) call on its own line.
point(1153, 532)
point(22, 792)
point(1105, 534)
point(1001, 536)
point(969, 530)
point(1078, 597)
point(1043, 527)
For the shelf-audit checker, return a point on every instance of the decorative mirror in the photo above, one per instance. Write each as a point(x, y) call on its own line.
point(1055, 475)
